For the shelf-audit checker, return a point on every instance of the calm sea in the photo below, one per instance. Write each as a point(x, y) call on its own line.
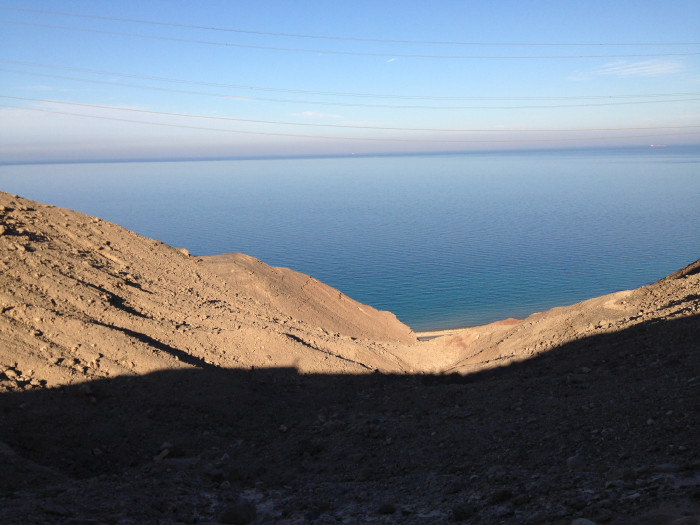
point(440, 240)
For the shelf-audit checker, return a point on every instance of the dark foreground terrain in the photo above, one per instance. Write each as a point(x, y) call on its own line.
point(139, 384)
point(604, 428)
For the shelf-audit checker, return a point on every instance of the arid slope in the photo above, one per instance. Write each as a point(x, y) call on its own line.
point(306, 298)
point(199, 390)
point(82, 298)
point(497, 344)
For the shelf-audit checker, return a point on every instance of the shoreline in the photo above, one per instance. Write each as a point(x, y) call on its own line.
point(427, 335)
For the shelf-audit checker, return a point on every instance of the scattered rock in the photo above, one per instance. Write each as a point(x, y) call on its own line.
point(239, 513)
point(386, 508)
point(500, 496)
point(667, 468)
point(687, 520)
point(462, 511)
point(389, 448)
point(576, 463)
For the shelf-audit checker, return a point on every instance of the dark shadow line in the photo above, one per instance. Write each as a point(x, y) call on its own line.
point(309, 345)
point(115, 300)
point(180, 355)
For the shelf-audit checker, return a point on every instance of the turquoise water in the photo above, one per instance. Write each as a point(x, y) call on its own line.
point(440, 240)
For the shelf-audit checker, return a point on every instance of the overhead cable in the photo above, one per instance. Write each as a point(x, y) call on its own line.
point(332, 137)
point(344, 53)
point(345, 126)
point(343, 38)
point(364, 105)
point(316, 92)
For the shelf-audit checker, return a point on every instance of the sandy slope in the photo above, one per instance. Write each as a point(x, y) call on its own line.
point(306, 299)
point(82, 298)
point(182, 385)
point(500, 343)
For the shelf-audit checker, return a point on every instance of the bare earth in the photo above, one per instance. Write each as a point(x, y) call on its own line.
point(139, 384)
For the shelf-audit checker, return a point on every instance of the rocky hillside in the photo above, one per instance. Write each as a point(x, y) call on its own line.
point(84, 299)
point(139, 384)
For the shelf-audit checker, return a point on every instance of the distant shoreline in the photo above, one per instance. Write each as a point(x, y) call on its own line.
point(427, 335)
point(677, 148)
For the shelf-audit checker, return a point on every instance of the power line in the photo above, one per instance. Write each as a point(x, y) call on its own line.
point(345, 126)
point(368, 139)
point(349, 104)
point(342, 38)
point(316, 92)
point(344, 53)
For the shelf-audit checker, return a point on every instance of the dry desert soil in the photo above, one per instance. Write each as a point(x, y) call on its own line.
point(140, 384)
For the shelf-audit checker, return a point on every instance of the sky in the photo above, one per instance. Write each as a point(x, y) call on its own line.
point(102, 80)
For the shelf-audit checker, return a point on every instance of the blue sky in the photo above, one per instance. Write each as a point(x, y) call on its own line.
point(256, 80)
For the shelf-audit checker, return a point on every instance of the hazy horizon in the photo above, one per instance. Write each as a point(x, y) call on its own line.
point(440, 241)
point(660, 148)
point(99, 80)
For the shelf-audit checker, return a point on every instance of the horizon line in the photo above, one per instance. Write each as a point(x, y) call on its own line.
point(210, 158)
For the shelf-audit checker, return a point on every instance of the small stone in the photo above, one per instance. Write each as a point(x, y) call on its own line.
point(500, 496)
point(57, 510)
point(162, 455)
point(36, 333)
point(616, 474)
point(283, 428)
point(462, 511)
point(666, 468)
point(576, 463)
point(239, 513)
point(10, 374)
point(650, 421)
point(615, 484)
point(687, 520)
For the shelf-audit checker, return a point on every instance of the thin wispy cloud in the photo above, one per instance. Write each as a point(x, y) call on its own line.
point(48, 88)
point(316, 115)
point(643, 68)
point(234, 97)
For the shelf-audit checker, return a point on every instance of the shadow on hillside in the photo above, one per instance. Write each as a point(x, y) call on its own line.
point(594, 397)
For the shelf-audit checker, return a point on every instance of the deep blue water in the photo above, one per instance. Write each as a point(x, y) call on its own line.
point(440, 240)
